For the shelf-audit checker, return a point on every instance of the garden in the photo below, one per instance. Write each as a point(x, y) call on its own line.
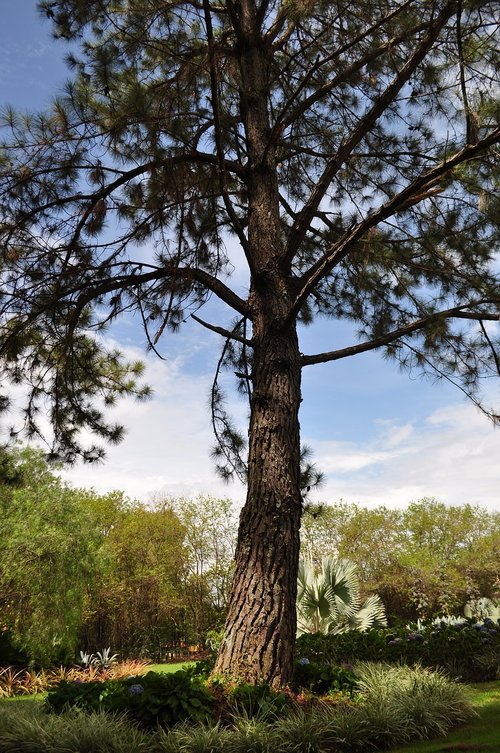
point(132, 706)
point(385, 656)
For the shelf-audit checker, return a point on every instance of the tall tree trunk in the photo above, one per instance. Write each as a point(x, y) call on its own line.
point(261, 624)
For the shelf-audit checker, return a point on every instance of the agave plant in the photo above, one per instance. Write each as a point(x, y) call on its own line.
point(104, 659)
point(328, 601)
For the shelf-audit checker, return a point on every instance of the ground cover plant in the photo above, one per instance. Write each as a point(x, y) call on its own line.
point(394, 705)
point(480, 734)
point(18, 681)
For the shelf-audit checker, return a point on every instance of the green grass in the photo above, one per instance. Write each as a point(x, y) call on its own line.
point(169, 667)
point(24, 698)
point(481, 735)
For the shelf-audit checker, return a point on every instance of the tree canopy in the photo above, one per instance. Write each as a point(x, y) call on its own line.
point(348, 150)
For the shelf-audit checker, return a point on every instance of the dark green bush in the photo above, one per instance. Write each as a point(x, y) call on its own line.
point(150, 699)
point(468, 650)
point(323, 678)
point(255, 700)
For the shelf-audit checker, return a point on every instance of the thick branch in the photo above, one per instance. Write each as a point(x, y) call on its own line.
point(456, 312)
point(125, 177)
point(86, 294)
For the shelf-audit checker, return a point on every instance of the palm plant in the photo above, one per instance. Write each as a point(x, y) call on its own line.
point(483, 608)
point(328, 601)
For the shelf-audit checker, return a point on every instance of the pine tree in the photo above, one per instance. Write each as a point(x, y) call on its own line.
point(349, 150)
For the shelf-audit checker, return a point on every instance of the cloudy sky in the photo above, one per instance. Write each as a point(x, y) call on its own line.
point(380, 436)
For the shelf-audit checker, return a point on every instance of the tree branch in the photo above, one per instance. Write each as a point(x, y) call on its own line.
point(282, 122)
point(456, 312)
point(85, 294)
point(420, 189)
point(125, 177)
point(224, 332)
point(237, 225)
point(365, 124)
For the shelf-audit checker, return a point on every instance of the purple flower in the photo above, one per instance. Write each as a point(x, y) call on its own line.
point(304, 660)
point(135, 690)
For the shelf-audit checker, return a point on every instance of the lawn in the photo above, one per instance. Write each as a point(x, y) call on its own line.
point(169, 667)
point(481, 735)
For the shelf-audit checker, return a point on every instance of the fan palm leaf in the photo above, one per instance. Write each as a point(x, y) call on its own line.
point(329, 601)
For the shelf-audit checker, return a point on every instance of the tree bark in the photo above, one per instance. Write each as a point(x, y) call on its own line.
point(261, 625)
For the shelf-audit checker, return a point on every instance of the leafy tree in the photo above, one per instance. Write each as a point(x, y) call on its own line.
point(210, 538)
point(349, 151)
point(424, 560)
point(137, 597)
point(50, 552)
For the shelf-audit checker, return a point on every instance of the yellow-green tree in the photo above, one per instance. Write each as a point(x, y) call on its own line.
point(51, 550)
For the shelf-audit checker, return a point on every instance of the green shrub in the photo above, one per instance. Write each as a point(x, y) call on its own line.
point(256, 700)
point(468, 650)
point(324, 678)
point(150, 699)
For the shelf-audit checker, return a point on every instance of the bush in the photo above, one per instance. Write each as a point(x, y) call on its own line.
point(467, 650)
point(324, 678)
point(255, 700)
point(149, 699)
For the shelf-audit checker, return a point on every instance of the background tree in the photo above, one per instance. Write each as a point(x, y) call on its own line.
point(50, 550)
point(424, 560)
point(210, 538)
point(137, 600)
point(350, 153)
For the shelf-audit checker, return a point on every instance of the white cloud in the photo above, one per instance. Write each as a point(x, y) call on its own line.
point(453, 454)
point(167, 445)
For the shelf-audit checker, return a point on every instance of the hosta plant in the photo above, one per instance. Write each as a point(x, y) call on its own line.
point(150, 699)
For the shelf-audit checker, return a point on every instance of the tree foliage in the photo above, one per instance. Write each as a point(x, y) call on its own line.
point(80, 570)
point(381, 124)
point(50, 551)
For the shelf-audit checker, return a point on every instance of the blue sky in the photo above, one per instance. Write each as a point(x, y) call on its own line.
point(380, 436)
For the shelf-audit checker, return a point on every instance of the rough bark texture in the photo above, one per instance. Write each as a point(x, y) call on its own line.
point(260, 629)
